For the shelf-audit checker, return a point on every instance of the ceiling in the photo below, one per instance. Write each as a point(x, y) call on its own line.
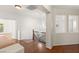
point(66, 6)
point(9, 11)
point(12, 10)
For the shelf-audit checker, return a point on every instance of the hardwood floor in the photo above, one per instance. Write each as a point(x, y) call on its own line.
point(38, 47)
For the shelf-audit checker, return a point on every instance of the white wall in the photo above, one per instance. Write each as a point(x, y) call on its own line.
point(31, 20)
point(9, 12)
point(49, 30)
point(65, 38)
point(26, 20)
point(9, 26)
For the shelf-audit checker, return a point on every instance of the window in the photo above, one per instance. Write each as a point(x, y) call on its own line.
point(8, 26)
point(1, 27)
point(73, 23)
point(60, 24)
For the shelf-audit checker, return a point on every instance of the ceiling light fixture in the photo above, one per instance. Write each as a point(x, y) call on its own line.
point(18, 6)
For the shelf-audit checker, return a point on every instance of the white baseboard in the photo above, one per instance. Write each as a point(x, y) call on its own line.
point(64, 44)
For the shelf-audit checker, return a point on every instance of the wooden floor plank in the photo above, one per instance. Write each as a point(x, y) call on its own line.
point(38, 47)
